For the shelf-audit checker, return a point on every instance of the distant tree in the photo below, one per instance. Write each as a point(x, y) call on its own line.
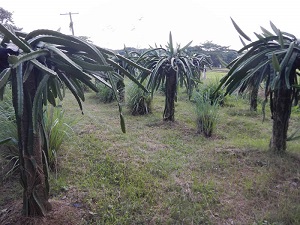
point(86, 38)
point(6, 18)
point(131, 50)
point(216, 52)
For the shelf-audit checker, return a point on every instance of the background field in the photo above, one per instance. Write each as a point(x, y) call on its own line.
point(166, 173)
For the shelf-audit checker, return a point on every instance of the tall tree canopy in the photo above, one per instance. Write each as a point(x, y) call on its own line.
point(6, 18)
point(218, 53)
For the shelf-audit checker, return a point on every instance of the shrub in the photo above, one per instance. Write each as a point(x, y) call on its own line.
point(138, 102)
point(207, 113)
point(214, 94)
point(7, 119)
point(8, 136)
point(105, 94)
point(57, 129)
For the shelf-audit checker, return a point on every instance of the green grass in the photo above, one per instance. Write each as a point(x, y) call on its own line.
point(165, 173)
point(58, 130)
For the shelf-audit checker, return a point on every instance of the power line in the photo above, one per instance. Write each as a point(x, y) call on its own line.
point(71, 21)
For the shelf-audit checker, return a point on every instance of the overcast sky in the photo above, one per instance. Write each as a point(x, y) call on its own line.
point(140, 23)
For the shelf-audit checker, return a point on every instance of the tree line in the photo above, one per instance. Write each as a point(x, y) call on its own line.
point(220, 55)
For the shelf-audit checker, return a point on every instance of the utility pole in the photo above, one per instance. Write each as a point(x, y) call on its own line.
point(71, 21)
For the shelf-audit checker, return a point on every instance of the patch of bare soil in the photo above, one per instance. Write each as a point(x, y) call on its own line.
point(62, 213)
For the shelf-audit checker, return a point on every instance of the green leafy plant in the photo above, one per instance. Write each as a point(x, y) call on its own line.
point(104, 94)
point(8, 136)
point(7, 119)
point(58, 129)
point(128, 67)
point(207, 112)
point(170, 66)
point(47, 62)
point(274, 57)
point(210, 90)
point(138, 101)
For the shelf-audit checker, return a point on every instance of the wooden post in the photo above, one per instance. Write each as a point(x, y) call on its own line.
point(204, 72)
point(71, 21)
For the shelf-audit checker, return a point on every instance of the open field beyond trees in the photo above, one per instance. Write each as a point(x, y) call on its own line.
point(165, 172)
